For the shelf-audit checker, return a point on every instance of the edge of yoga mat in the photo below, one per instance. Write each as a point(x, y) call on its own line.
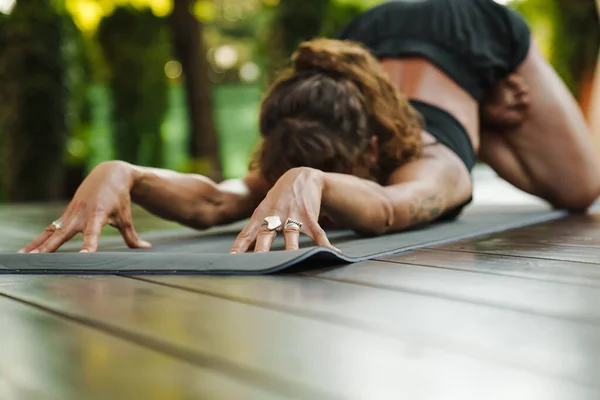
point(128, 263)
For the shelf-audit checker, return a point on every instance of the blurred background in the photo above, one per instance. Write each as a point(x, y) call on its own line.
point(177, 83)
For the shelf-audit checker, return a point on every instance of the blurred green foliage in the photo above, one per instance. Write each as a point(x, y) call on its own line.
point(292, 22)
point(79, 76)
point(569, 31)
point(116, 102)
point(136, 46)
point(339, 14)
point(3, 19)
point(34, 98)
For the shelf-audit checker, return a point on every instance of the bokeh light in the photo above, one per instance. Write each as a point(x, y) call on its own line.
point(6, 6)
point(173, 69)
point(226, 56)
point(249, 72)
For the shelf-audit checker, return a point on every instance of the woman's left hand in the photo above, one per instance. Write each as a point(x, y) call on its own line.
point(297, 196)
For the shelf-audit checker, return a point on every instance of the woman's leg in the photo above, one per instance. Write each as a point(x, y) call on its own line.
point(551, 154)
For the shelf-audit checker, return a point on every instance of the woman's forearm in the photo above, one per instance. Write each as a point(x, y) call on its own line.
point(357, 204)
point(188, 199)
point(195, 200)
point(370, 208)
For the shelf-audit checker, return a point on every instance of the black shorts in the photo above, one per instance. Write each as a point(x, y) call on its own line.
point(476, 42)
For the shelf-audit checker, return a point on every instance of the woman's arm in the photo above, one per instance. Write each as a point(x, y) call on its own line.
point(418, 192)
point(105, 197)
point(194, 200)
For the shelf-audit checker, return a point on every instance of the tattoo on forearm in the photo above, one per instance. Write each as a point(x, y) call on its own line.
point(426, 209)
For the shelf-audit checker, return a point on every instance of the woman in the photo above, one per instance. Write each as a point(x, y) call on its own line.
point(341, 142)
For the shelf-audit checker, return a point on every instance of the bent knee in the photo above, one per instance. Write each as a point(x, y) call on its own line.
point(580, 197)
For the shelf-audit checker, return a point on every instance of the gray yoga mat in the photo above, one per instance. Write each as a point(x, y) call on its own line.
point(190, 252)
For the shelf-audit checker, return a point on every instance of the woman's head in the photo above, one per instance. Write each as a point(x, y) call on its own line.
point(336, 111)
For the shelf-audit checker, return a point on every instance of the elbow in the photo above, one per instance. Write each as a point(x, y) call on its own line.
point(380, 223)
point(200, 218)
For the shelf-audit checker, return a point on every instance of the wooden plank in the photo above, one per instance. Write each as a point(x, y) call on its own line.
point(575, 239)
point(330, 358)
point(537, 343)
point(47, 357)
point(545, 251)
point(551, 299)
point(526, 268)
point(567, 236)
point(574, 230)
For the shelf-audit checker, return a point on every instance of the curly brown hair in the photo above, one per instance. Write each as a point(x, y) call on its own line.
point(324, 112)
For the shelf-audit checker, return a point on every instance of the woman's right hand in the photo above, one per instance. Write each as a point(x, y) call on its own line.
point(103, 198)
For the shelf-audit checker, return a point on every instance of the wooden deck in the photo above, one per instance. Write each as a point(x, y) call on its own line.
point(515, 315)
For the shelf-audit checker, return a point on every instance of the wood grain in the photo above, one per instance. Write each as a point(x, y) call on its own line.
point(323, 359)
point(514, 338)
point(505, 265)
point(546, 251)
point(48, 357)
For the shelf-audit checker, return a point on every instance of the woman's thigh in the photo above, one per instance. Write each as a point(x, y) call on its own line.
point(551, 154)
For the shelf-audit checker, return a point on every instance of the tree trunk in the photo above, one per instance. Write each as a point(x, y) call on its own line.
point(294, 21)
point(191, 51)
point(135, 45)
point(34, 95)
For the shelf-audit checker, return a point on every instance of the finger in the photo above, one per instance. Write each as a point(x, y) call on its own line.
point(247, 236)
point(37, 242)
point(292, 237)
point(91, 234)
point(264, 241)
point(59, 237)
point(316, 233)
point(130, 236)
point(516, 81)
point(49, 231)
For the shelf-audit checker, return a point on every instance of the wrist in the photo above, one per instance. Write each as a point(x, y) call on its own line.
point(128, 175)
point(327, 188)
point(137, 181)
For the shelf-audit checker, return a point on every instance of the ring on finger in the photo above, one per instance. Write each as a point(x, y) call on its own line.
point(57, 224)
point(272, 223)
point(292, 224)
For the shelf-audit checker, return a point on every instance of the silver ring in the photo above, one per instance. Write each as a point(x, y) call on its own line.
point(272, 223)
point(57, 224)
point(292, 222)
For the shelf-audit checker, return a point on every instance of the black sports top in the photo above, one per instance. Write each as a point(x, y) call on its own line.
point(448, 131)
point(476, 42)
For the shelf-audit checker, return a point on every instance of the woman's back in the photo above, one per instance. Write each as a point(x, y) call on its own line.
point(475, 42)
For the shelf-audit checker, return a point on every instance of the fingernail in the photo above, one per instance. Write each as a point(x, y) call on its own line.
point(34, 251)
point(233, 252)
point(21, 251)
point(84, 251)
